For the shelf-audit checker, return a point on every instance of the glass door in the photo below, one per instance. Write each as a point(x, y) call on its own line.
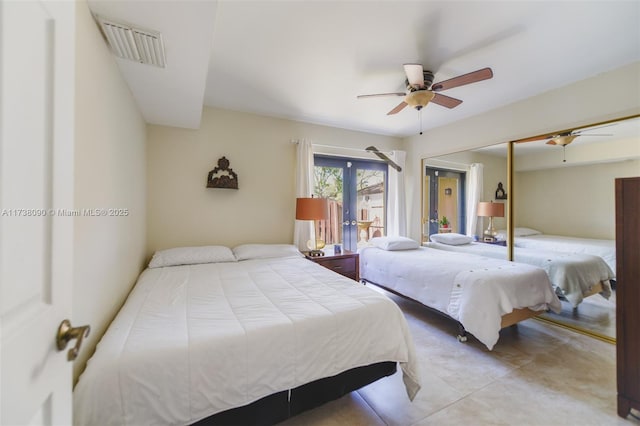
point(357, 193)
point(443, 209)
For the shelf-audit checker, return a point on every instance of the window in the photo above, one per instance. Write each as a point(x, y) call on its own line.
point(357, 193)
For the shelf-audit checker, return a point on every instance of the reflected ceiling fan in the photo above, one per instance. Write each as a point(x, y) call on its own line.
point(421, 90)
point(565, 138)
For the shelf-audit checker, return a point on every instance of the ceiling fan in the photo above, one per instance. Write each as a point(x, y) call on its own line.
point(421, 90)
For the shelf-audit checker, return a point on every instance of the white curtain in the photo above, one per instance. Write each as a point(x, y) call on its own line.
point(397, 209)
point(304, 188)
point(474, 195)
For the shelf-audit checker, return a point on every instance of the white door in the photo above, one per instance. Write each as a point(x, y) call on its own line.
point(37, 60)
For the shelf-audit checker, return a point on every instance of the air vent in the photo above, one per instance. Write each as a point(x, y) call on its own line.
point(132, 43)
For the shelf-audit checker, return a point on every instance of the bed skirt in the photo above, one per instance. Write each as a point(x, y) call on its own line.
point(282, 405)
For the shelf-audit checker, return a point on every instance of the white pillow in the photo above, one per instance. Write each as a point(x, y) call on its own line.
point(191, 256)
point(451, 239)
point(265, 251)
point(394, 243)
point(518, 232)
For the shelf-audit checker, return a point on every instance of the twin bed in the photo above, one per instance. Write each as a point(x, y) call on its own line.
point(483, 294)
point(206, 332)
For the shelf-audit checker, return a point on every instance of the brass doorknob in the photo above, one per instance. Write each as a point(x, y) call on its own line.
point(66, 333)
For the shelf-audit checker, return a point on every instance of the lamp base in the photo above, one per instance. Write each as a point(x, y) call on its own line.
point(490, 231)
point(317, 245)
point(315, 253)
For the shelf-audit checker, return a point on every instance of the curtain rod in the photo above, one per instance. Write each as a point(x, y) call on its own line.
point(447, 162)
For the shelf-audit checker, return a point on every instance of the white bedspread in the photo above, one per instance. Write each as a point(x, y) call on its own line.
point(606, 249)
point(574, 274)
point(472, 289)
point(195, 340)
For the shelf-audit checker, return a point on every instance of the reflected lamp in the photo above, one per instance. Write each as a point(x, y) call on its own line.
point(490, 210)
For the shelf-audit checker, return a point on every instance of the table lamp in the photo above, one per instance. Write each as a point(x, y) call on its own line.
point(490, 210)
point(312, 209)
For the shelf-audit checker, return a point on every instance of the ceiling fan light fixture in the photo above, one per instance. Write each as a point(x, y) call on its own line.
point(563, 140)
point(419, 98)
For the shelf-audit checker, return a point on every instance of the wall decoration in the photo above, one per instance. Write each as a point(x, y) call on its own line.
point(500, 194)
point(222, 176)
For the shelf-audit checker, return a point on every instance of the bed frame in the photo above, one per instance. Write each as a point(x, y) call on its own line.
point(282, 405)
point(508, 320)
point(594, 290)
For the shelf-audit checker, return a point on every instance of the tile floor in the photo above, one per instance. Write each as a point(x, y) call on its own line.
point(537, 374)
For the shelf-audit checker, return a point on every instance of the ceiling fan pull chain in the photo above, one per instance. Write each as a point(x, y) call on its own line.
point(564, 152)
point(420, 119)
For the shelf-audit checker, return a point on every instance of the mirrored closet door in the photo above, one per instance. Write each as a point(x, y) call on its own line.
point(563, 185)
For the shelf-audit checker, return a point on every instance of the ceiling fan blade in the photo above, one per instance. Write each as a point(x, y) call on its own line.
point(398, 108)
point(380, 95)
point(415, 75)
point(445, 101)
point(461, 80)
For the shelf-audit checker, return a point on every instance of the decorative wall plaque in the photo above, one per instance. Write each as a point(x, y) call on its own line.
point(222, 176)
point(500, 194)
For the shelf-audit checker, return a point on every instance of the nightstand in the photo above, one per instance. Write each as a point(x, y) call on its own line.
point(502, 243)
point(347, 263)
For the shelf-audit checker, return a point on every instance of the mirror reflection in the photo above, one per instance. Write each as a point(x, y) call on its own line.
point(454, 185)
point(564, 211)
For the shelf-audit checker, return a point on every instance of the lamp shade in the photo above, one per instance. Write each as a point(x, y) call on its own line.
point(490, 209)
point(312, 209)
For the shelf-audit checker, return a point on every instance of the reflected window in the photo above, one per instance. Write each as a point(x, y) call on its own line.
point(444, 207)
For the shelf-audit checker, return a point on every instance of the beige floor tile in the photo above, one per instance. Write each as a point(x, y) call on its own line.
point(537, 374)
point(470, 366)
point(388, 397)
point(518, 401)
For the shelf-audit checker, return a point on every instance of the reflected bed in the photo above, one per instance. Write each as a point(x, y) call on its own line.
point(534, 239)
point(573, 275)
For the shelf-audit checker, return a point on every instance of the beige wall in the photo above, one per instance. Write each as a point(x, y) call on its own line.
point(109, 173)
point(570, 106)
point(576, 201)
point(183, 212)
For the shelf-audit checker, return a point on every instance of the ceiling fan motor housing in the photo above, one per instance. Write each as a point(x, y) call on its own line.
point(428, 81)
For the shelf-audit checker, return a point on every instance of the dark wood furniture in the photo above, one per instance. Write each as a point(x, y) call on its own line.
point(502, 243)
point(628, 293)
point(347, 263)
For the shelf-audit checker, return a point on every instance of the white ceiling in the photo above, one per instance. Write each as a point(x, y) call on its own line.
point(308, 60)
